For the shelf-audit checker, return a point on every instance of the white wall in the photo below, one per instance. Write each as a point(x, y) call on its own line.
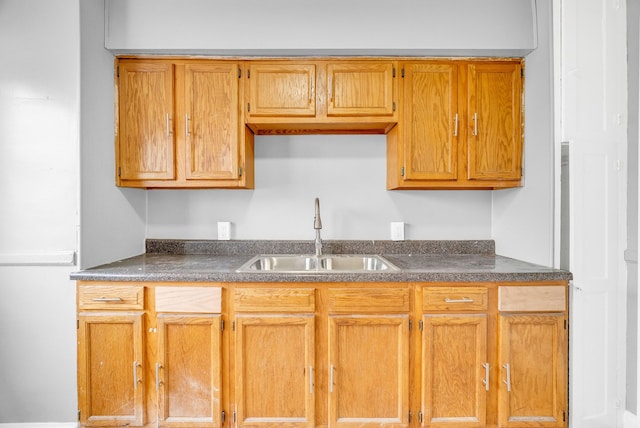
point(112, 223)
point(375, 26)
point(347, 173)
point(532, 206)
point(39, 119)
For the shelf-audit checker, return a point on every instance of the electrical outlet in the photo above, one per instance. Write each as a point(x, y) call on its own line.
point(224, 230)
point(397, 231)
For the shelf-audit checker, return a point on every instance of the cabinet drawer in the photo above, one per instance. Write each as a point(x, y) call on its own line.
point(200, 300)
point(368, 300)
point(111, 297)
point(274, 300)
point(454, 299)
point(532, 298)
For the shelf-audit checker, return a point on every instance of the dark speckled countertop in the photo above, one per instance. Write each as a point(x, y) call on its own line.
point(418, 261)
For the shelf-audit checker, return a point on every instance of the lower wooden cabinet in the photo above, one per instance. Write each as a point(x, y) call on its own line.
point(322, 355)
point(110, 369)
point(188, 373)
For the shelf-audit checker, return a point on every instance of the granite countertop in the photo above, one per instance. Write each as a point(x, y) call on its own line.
point(418, 261)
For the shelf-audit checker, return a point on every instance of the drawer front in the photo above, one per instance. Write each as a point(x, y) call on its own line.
point(187, 299)
point(111, 297)
point(368, 300)
point(294, 300)
point(545, 298)
point(455, 299)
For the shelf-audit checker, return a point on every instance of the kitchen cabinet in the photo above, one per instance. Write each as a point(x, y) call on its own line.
point(322, 354)
point(321, 96)
point(111, 376)
point(532, 358)
point(368, 357)
point(188, 370)
point(274, 357)
point(455, 358)
point(460, 126)
point(179, 124)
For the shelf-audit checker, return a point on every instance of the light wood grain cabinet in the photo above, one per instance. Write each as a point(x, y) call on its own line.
point(111, 356)
point(322, 354)
point(532, 357)
point(455, 357)
point(179, 124)
point(460, 126)
point(368, 348)
point(321, 96)
point(274, 357)
point(188, 367)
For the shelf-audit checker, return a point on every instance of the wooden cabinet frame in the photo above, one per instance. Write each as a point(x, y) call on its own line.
point(334, 344)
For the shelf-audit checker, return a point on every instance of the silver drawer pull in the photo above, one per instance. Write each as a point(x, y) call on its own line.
point(107, 299)
point(463, 300)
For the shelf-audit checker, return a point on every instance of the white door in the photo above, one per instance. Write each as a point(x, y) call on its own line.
point(593, 120)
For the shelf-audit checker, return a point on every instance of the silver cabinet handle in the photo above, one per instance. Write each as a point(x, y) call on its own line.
point(167, 124)
point(310, 379)
point(331, 378)
point(455, 125)
point(475, 124)
point(508, 380)
point(186, 128)
point(107, 299)
point(158, 367)
point(463, 300)
point(486, 376)
point(331, 88)
point(135, 375)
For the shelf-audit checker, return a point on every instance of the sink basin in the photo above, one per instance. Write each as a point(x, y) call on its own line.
point(292, 263)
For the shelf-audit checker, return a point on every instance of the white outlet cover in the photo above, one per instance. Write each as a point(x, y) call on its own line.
point(224, 230)
point(397, 231)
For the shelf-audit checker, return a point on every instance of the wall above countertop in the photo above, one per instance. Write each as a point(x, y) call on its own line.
point(331, 27)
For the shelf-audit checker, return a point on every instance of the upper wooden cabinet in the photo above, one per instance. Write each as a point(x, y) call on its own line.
point(190, 122)
point(321, 96)
point(179, 125)
point(460, 126)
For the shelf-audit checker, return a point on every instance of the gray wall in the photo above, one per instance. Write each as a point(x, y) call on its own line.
point(633, 50)
point(39, 139)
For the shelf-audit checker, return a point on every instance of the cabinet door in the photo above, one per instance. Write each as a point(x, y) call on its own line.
point(145, 121)
point(361, 89)
point(455, 370)
point(368, 371)
point(188, 371)
point(110, 369)
point(274, 370)
point(431, 121)
point(281, 89)
point(533, 371)
point(494, 121)
point(211, 120)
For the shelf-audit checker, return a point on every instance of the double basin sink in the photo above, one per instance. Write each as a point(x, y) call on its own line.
point(329, 263)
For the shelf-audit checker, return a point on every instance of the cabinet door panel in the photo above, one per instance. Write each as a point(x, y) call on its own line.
point(431, 122)
point(494, 122)
point(189, 370)
point(110, 371)
point(282, 90)
point(360, 89)
point(368, 372)
point(274, 370)
point(211, 120)
point(454, 372)
point(145, 122)
point(533, 370)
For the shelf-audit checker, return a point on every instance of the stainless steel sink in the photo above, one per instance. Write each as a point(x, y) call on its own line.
point(293, 263)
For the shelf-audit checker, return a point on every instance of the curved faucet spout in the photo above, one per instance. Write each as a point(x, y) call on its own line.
point(317, 225)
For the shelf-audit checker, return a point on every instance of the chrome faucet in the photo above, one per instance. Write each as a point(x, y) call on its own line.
point(317, 225)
